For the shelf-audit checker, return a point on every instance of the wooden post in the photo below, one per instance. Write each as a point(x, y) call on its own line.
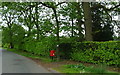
point(57, 52)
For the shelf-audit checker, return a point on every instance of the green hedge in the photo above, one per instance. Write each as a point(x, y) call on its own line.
point(40, 47)
point(92, 52)
point(97, 52)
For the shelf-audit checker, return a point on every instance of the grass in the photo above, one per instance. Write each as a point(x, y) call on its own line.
point(80, 68)
point(20, 52)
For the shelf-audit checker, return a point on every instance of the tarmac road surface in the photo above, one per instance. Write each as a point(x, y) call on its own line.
point(14, 63)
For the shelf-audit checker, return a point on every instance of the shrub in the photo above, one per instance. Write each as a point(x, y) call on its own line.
point(6, 45)
point(41, 47)
point(97, 52)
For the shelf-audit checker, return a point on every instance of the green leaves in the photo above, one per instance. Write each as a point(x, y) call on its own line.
point(18, 34)
point(6, 37)
point(97, 52)
point(41, 47)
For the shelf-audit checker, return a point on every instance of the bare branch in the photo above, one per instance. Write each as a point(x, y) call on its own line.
point(60, 3)
point(114, 7)
point(101, 6)
point(46, 5)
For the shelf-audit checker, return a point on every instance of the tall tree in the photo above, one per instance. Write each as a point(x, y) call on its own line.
point(9, 16)
point(102, 21)
point(53, 6)
point(88, 21)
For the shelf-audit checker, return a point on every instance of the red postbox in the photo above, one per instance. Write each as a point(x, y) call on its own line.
point(52, 53)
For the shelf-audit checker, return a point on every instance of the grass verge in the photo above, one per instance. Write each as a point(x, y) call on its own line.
point(80, 68)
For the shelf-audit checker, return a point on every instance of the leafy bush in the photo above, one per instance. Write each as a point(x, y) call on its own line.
point(41, 47)
point(97, 52)
point(30, 46)
point(5, 45)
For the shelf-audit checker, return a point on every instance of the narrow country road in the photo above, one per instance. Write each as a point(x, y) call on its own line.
point(14, 63)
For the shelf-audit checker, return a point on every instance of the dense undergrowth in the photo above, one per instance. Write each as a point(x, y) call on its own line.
point(97, 52)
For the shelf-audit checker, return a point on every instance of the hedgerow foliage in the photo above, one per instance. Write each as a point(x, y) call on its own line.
point(92, 52)
point(97, 52)
point(41, 47)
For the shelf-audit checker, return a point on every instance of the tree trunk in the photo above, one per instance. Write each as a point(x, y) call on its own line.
point(30, 22)
point(11, 45)
point(57, 23)
point(88, 21)
point(29, 31)
point(11, 40)
point(11, 34)
point(57, 33)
